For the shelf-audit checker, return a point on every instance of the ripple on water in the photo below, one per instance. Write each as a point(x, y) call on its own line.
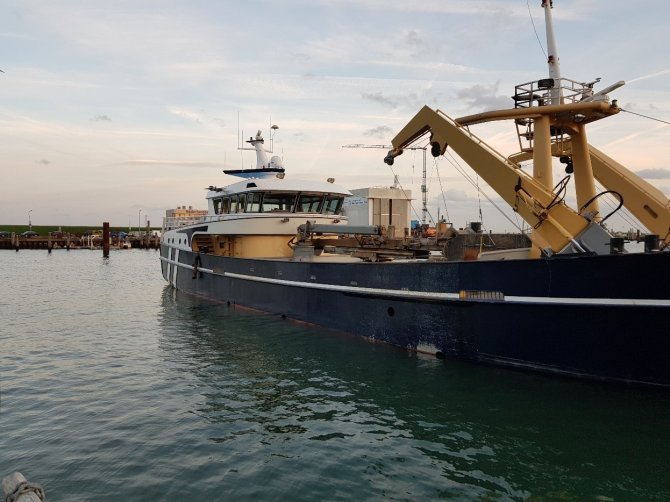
point(114, 387)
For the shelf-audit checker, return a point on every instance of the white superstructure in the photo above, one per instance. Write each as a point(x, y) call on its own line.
point(257, 217)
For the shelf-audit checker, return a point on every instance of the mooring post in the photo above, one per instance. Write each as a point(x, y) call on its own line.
point(18, 489)
point(105, 239)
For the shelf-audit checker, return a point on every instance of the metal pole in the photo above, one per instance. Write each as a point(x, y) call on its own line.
point(424, 191)
point(552, 49)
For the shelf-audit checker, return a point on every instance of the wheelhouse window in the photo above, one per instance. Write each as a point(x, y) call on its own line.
point(278, 202)
point(217, 206)
point(332, 204)
point(233, 204)
point(254, 202)
point(309, 203)
point(242, 203)
point(225, 205)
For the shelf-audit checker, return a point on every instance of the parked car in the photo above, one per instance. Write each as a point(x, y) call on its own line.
point(5, 234)
point(57, 235)
point(29, 233)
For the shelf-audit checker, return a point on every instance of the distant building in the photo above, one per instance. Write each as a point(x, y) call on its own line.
point(383, 206)
point(181, 216)
point(182, 212)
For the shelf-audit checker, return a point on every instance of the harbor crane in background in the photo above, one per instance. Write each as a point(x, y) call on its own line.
point(424, 207)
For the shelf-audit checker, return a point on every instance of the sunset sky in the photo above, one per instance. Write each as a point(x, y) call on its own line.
point(118, 110)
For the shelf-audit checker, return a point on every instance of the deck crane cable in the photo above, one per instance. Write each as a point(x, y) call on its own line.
point(646, 116)
point(444, 200)
point(462, 172)
point(479, 202)
point(387, 147)
point(395, 176)
point(624, 213)
point(560, 190)
point(613, 192)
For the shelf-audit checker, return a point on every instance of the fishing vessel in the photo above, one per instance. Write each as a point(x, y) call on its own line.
point(573, 303)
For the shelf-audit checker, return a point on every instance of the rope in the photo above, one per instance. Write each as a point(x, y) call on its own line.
point(458, 168)
point(405, 193)
point(646, 116)
point(444, 200)
point(25, 487)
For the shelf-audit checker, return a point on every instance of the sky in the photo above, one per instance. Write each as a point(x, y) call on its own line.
point(118, 110)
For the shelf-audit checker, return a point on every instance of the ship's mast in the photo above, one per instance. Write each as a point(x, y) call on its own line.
point(552, 59)
point(261, 157)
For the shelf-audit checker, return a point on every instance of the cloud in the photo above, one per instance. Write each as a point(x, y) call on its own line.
point(412, 37)
point(654, 174)
point(410, 101)
point(187, 114)
point(184, 163)
point(45, 162)
point(483, 97)
point(651, 75)
point(455, 195)
point(101, 118)
point(379, 132)
point(378, 97)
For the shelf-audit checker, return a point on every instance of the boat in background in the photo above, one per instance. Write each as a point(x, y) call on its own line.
point(574, 303)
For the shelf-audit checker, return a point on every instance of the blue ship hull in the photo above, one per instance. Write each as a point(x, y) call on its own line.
point(597, 317)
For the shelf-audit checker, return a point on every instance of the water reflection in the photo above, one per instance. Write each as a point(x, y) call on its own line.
point(402, 421)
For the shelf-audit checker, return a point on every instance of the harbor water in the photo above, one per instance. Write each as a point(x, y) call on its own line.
point(115, 387)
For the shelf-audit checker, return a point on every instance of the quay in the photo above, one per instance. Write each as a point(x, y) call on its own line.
point(70, 241)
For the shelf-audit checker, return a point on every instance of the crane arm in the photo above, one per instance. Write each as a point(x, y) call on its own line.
point(556, 225)
point(647, 203)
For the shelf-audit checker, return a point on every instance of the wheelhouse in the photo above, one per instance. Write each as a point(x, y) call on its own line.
point(277, 202)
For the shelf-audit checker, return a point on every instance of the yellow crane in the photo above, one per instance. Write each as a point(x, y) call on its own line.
point(555, 130)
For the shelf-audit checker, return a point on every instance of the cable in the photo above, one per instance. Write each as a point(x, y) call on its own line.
point(458, 168)
point(444, 200)
point(646, 116)
point(624, 213)
point(535, 30)
point(560, 189)
point(479, 202)
point(586, 204)
point(404, 193)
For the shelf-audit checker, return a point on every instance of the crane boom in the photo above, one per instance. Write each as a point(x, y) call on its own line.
point(557, 228)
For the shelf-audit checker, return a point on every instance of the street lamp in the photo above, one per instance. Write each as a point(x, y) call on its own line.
point(30, 223)
point(139, 224)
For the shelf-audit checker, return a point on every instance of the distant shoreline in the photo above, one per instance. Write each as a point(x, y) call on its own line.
point(71, 229)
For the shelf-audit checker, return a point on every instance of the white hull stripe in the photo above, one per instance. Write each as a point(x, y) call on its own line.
point(431, 295)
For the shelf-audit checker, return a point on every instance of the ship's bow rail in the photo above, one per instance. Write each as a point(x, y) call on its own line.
point(172, 222)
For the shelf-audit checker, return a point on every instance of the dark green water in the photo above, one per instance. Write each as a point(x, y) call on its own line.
point(114, 387)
